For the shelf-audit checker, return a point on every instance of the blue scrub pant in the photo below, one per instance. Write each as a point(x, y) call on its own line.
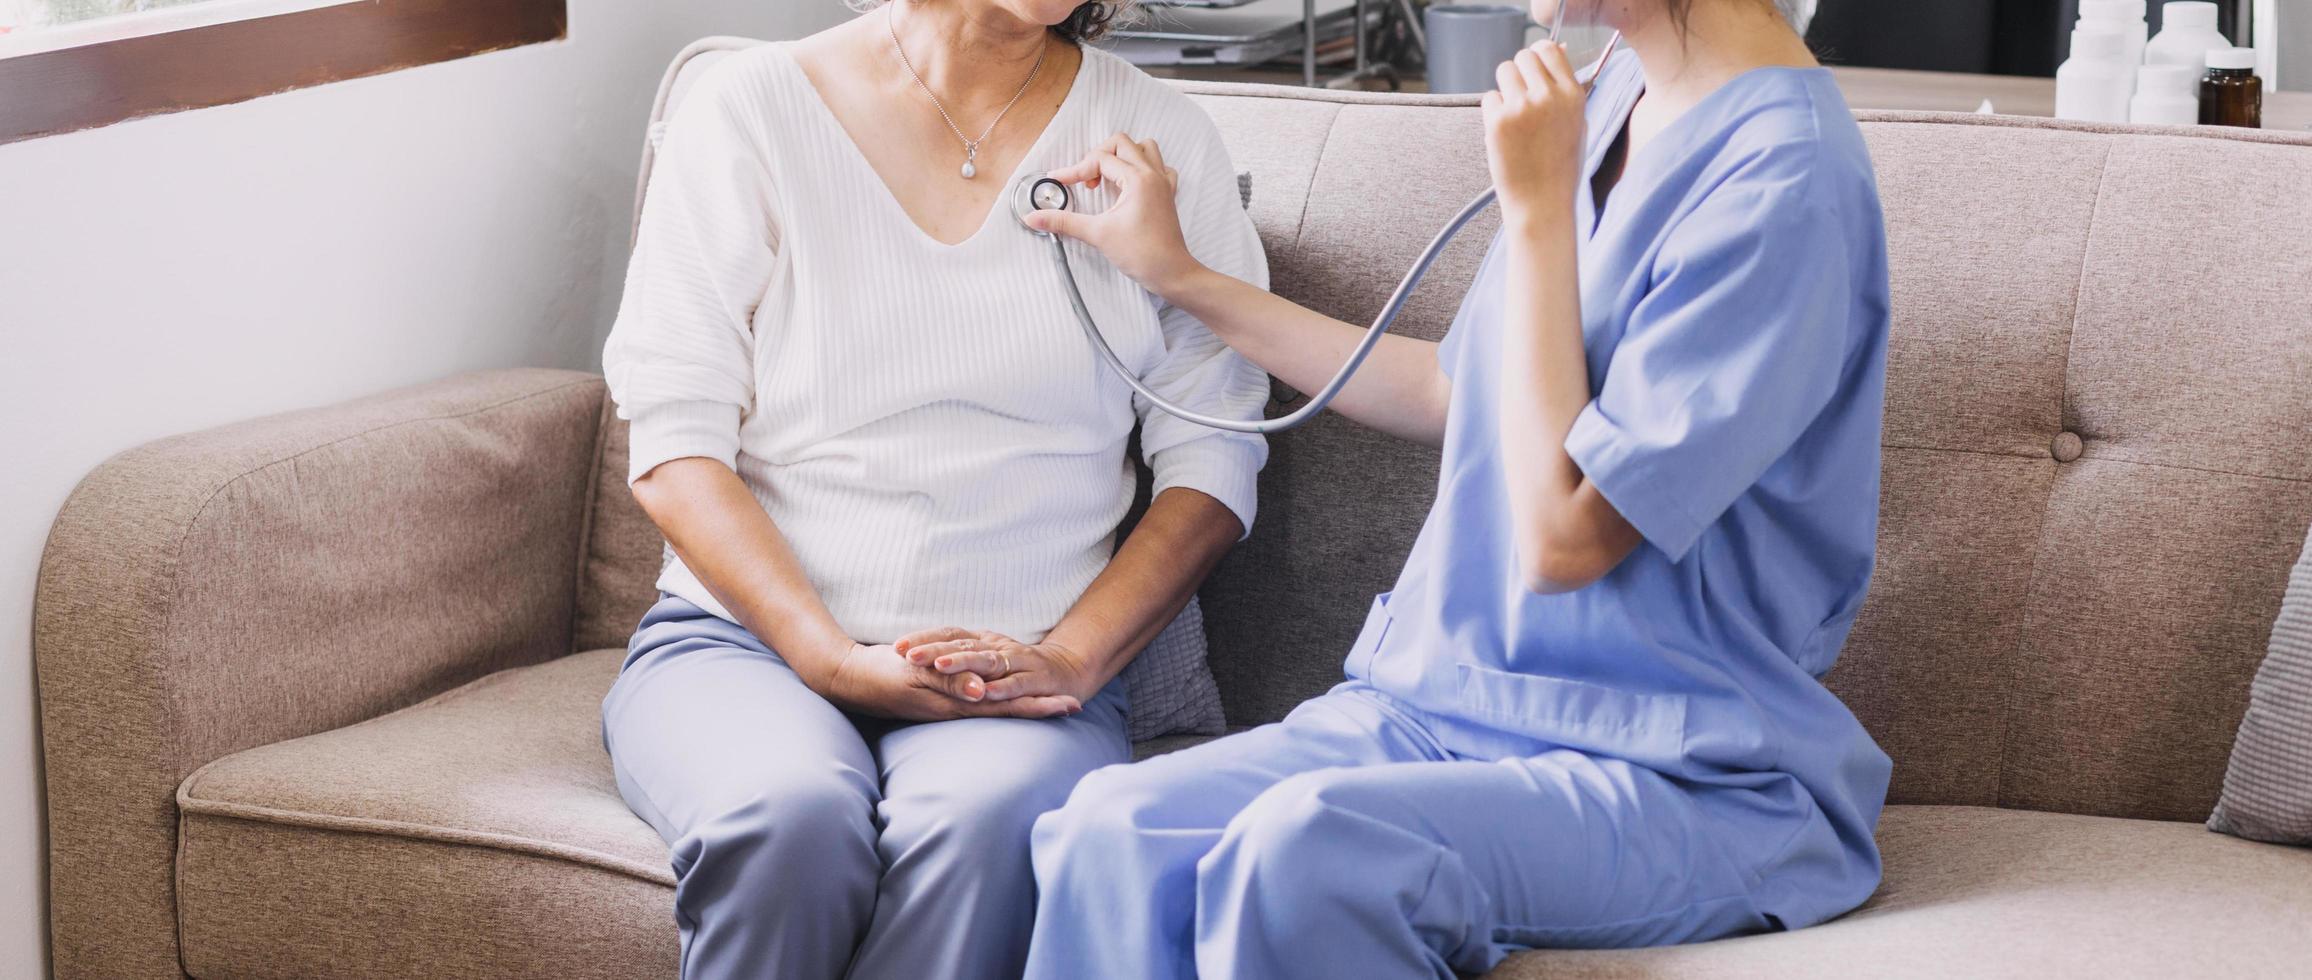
point(808, 842)
point(1347, 841)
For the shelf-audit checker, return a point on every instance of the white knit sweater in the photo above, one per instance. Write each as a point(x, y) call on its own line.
point(924, 422)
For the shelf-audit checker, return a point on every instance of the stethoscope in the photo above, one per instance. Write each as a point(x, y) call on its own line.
point(1042, 193)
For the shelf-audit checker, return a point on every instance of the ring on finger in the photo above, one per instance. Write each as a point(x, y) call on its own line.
point(1006, 655)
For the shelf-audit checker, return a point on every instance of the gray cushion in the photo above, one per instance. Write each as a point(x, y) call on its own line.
point(480, 835)
point(1171, 689)
point(2268, 789)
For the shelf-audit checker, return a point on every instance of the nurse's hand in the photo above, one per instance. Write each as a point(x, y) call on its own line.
point(1012, 670)
point(1533, 131)
point(877, 680)
point(1140, 232)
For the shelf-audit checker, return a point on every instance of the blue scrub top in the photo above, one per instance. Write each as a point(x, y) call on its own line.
point(1735, 314)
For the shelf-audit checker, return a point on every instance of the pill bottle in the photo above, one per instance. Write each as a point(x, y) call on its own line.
point(2166, 95)
point(2187, 32)
point(2128, 15)
point(2230, 93)
point(2093, 86)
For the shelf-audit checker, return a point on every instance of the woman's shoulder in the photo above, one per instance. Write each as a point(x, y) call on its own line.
point(745, 87)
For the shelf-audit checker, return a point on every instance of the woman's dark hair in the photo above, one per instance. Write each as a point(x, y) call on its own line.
point(1094, 18)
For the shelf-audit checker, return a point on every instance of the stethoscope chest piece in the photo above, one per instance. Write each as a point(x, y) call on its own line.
point(1038, 193)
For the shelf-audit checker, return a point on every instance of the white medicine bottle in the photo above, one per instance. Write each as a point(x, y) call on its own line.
point(2128, 15)
point(2187, 33)
point(2094, 85)
point(2165, 95)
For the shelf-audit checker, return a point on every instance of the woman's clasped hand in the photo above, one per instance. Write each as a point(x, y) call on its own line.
point(950, 672)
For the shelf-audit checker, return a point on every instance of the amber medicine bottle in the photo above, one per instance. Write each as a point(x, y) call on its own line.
point(2230, 93)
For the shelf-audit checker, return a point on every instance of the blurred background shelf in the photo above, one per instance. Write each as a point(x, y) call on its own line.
point(1313, 36)
point(1946, 55)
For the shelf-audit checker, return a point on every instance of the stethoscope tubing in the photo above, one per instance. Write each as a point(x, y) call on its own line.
point(1372, 338)
point(1324, 396)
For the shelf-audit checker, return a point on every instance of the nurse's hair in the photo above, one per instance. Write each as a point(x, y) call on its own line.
point(1088, 22)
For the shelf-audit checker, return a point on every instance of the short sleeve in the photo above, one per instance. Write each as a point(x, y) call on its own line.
point(1197, 370)
point(680, 355)
point(1736, 349)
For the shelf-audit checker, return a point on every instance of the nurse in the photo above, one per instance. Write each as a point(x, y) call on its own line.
point(1590, 713)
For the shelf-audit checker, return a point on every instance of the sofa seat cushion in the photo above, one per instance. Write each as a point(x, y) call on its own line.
point(480, 834)
point(477, 834)
point(1981, 892)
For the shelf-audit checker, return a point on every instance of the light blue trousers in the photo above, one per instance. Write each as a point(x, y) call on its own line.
point(1347, 841)
point(808, 843)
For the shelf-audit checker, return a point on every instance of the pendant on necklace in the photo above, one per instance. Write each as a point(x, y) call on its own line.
point(970, 153)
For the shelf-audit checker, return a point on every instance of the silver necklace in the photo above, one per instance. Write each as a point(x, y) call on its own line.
point(970, 146)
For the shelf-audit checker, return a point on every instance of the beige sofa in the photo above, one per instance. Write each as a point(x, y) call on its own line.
point(319, 691)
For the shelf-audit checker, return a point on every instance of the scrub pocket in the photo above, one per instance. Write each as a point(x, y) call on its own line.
point(1648, 729)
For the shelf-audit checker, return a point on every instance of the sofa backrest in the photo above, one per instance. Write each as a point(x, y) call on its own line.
point(2096, 470)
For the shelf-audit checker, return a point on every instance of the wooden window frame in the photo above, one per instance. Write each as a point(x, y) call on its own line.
point(99, 84)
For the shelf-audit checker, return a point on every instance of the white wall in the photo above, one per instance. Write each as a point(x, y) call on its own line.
point(188, 270)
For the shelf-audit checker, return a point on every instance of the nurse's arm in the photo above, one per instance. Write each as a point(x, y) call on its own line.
point(1567, 534)
point(1400, 390)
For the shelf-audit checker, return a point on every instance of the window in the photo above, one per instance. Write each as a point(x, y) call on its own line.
point(73, 64)
point(27, 26)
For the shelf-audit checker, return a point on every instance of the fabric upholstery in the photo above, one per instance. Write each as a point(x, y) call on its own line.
point(270, 902)
point(512, 760)
point(1979, 892)
point(212, 592)
point(623, 548)
point(2268, 787)
point(492, 806)
point(2168, 541)
point(480, 835)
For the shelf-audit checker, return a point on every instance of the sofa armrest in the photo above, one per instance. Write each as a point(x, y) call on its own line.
point(216, 591)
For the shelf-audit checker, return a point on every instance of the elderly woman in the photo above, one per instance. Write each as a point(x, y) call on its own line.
point(890, 473)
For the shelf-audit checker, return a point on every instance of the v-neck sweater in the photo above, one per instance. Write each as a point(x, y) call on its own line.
point(923, 422)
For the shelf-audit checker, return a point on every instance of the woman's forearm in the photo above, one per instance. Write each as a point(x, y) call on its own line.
point(1400, 390)
point(724, 537)
point(1175, 545)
